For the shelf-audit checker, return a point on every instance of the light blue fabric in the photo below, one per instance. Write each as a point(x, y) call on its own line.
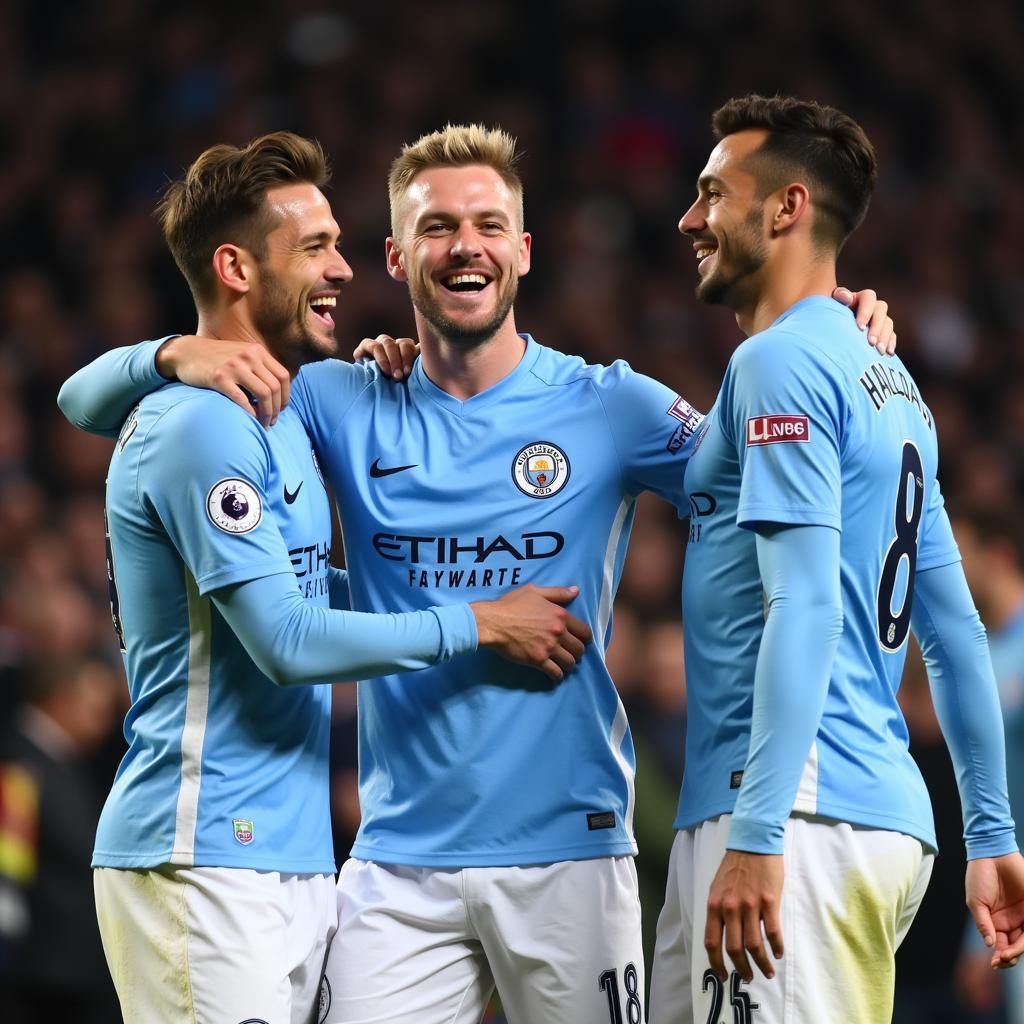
point(813, 429)
point(480, 762)
point(213, 518)
point(532, 481)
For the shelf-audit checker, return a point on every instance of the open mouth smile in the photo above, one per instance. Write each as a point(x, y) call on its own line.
point(321, 307)
point(464, 282)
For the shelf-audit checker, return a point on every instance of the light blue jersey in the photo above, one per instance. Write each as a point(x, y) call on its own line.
point(223, 767)
point(532, 481)
point(811, 428)
point(213, 519)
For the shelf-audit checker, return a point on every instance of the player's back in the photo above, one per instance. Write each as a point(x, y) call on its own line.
point(223, 767)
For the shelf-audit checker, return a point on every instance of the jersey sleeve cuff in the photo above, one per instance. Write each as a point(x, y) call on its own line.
point(143, 365)
point(749, 836)
point(998, 845)
point(242, 573)
point(458, 631)
point(748, 516)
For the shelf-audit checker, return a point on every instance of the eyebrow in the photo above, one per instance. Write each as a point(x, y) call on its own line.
point(319, 236)
point(448, 215)
point(705, 180)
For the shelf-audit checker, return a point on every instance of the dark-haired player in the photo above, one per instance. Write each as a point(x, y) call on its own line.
point(820, 542)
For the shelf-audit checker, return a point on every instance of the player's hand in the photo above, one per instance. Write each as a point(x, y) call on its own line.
point(530, 627)
point(244, 371)
point(872, 313)
point(743, 907)
point(394, 356)
point(995, 898)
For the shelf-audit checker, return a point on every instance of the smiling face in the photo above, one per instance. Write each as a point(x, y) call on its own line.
point(726, 224)
point(297, 284)
point(461, 249)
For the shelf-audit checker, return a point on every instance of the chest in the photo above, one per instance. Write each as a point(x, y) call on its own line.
point(515, 469)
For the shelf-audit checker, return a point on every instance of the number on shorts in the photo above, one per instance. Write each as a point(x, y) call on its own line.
point(893, 629)
point(742, 1006)
point(609, 981)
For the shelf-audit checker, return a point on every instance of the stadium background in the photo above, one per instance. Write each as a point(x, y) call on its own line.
point(103, 102)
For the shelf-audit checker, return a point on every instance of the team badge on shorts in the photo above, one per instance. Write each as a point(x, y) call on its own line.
point(540, 470)
point(234, 506)
point(243, 830)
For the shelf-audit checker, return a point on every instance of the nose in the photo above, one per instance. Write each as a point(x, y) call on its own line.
point(465, 243)
point(693, 219)
point(339, 270)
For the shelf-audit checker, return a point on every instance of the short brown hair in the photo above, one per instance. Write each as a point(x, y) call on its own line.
point(455, 145)
point(222, 199)
point(823, 145)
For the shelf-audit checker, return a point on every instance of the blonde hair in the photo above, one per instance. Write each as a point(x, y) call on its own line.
point(455, 145)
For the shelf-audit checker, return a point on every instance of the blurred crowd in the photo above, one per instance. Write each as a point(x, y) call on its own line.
point(103, 104)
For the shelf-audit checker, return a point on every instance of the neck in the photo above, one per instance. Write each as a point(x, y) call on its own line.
point(467, 370)
point(232, 323)
point(786, 280)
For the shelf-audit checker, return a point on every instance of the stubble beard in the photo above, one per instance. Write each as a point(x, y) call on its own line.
point(733, 284)
point(283, 326)
point(451, 330)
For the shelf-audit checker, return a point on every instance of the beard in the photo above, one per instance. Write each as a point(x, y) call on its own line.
point(428, 306)
point(739, 258)
point(281, 321)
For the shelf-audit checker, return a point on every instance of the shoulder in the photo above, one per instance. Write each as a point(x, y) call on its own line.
point(190, 420)
point(556, 368)
point(335, 377)
point(788, 356)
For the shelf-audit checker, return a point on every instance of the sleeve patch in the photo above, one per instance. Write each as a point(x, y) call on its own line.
point(234, 506)
point(777, 428)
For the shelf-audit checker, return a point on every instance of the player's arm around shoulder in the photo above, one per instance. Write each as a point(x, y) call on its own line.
point(99, 396)
point(651, 428)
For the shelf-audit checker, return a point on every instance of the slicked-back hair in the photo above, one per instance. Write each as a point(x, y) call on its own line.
point(821, 146)
point(455, 145)
point(222, 199)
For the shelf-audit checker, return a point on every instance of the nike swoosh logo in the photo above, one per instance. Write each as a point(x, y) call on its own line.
point(376, 471)
point(290, 496)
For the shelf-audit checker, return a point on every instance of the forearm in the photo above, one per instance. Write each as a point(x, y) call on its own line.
point(295, 642)
point(800, 572)
point(955, 650)
point(99, 396)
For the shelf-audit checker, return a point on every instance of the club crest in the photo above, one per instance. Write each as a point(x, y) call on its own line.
point(540, 470)
point(243, 830)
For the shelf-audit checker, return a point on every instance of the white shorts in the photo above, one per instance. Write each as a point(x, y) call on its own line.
point(849, 897)
point(428, 945)
point(215, 945)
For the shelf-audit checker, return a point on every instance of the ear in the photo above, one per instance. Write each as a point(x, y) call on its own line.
point(233, 267)
point(791, 206)
point(525, 240)
point(395, 260)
